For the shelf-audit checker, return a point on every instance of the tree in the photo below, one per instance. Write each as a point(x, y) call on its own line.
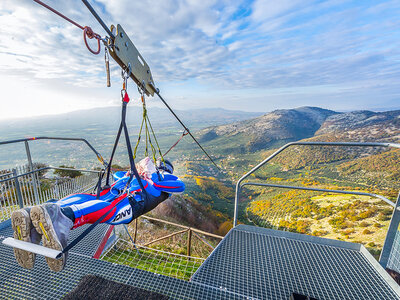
point(40, 166)
point(68, 173)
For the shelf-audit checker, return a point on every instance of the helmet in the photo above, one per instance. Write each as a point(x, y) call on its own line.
point(166, 166)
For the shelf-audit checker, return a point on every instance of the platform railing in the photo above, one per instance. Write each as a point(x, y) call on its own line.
point(22, 187)
point(28, 151)
point(389, 248)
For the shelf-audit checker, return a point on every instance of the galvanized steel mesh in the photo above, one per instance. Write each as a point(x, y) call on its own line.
point(41, 283)
point(270, 264)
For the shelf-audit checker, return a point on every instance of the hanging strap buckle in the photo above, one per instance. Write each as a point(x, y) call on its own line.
point(125, 73)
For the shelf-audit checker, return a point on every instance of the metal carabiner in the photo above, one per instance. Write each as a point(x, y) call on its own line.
point(126, 73)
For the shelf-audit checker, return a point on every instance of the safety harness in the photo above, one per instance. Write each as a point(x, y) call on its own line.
point(122, 50)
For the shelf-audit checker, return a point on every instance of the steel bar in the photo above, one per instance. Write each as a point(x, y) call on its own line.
point(320, 190)
point(18, 189)
point(203, 240)
point(33, 178)
point(344, 144)
point(94, 13)
point(98, 155)
point(130, 237)
point(48, 168)
point(390, 235)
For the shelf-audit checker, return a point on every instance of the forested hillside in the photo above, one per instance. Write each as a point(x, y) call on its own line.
point(242, 145)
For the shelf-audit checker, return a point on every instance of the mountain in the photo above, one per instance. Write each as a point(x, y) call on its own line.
point(99, 126)
point(277, 127)
point(107, 119)
point(362, 126)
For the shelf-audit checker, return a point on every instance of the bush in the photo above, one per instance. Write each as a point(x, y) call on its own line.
point(319, 232)
point(364, 224)
point(347, 232)
point(68, 173)
point(40, 166)
point(368, 213)
point(387, 211)
point(382, 217)
point(366, 231)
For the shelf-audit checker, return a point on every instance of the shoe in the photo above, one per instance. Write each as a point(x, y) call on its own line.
point(54, 227)
point(24, 231)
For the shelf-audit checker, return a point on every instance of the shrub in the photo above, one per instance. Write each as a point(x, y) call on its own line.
point(40, 166)
point(68, 173)
point(382, 217)
point(347, 232)
point(366, 231)
point(368, 213)
point(364, 224)
point(319, 232)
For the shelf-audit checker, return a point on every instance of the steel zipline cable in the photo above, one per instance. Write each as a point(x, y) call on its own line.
point(186, 129)
point(88, 32)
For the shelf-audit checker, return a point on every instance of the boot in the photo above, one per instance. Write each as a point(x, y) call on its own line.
point(54, 227)
point(24, 231)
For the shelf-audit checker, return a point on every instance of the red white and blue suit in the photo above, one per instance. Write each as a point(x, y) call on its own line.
point(129, 202)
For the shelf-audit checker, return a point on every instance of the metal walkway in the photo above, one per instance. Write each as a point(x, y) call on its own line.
point(41, 283)
point(270, 264)
point(250, 263)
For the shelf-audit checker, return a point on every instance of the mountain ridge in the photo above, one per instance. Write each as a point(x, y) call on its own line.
point(281, 126)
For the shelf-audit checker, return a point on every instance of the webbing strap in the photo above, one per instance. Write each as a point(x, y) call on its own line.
point(112, 153)
point(138, 141)
point(133, 172)
point(155, 138)
point(130, 154)
point(148, 136)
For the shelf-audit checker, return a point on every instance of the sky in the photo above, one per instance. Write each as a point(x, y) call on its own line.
point(235, 54)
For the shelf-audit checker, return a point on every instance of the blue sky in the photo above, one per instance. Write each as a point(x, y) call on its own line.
point(246, 55)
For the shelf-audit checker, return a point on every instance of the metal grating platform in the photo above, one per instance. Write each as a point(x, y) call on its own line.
point(41, 283)
point(270, 264)
point(394, 257)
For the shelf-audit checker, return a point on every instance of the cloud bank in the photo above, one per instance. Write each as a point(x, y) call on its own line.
point(252, 55)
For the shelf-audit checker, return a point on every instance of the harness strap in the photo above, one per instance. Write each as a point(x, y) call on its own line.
point(148, 135)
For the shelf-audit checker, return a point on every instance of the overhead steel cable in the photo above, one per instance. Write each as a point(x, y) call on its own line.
point(186, 129)
point(87, 31)
point(155, 89)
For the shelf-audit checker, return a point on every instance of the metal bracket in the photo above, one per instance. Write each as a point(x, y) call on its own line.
point(124, 52)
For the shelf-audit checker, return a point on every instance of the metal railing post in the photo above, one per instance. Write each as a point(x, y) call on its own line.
point(390, 235)
point(56, 189)
point(189, 243)
point(33, 175)
point(18, 189)
point(136, 229)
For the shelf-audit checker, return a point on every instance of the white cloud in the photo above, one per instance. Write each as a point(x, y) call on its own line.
point(222, 46)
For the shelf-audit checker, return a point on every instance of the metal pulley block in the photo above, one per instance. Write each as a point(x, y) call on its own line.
point(125, 53)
